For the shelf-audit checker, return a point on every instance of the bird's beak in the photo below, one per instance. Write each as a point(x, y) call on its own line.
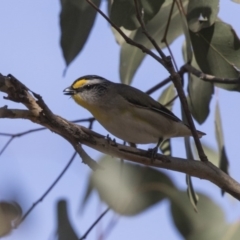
point(68, 91)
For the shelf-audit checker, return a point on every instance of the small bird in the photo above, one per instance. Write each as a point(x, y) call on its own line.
point(127, 112)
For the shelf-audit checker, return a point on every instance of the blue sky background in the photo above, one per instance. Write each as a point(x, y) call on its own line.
point(30, 50)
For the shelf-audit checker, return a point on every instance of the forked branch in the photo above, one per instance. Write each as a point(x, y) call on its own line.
point(77, 135)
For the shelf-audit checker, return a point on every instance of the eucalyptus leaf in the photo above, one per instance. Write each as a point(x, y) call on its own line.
point(223, 160)
point(200, 95)
point(212, 154)
point(167, 100)
point(166, 147)
point(121, 186)
point(193, 197)
point(132, 57)
point(202, 14)
point(167, 97)
point(208, 223)
point(64, 229)
point(123, 12)
point(217, 52)
point(76, 21)
point(200, 92)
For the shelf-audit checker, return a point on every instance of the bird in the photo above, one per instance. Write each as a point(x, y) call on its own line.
point(127, 112)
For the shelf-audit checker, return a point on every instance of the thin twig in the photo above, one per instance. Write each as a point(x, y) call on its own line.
point(16, 135)
point(159, 85)
point(49, 189)
point(6, 145)
point(125, 37)
point(168, 22)
point(144, 30)
point(164, 39)
point(94, 224)
point(209, 78)
point(170, 101)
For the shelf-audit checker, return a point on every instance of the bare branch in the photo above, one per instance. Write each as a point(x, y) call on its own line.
point(144, 30)
point(209, 78)
point(125, 37)
point(94, 224)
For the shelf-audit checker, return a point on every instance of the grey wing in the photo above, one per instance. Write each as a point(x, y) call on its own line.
point(142, 100)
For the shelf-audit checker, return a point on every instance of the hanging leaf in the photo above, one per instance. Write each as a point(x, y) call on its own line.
point(202, 14)
point(123, 12)
point(120, 186)
point(130, 60)
point(64, 228)
point(200, 95)
point(217, 52)
point(167, 97)
point(212, 154)
point(223, 161)
point(208, 223)
point(76, 21)
point(167, 100)
point(131, 57)
point(193, 197)
point(166, 147)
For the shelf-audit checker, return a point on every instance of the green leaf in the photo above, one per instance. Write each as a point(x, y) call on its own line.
point(200, 92)
point(167, 96)
point(166, 99)
point(223, 161)
point(202, 14)
point(187, 47)
point(193, 197)
point(208, 223)
point(166, 147)
point(212, 154)
point(217, 51)
point(76, 21)
point(122, 186)
point(130, 60)
point(132, 57)
point(123, 12)
point(10, 214)
point(200, 95)
point(64, 228)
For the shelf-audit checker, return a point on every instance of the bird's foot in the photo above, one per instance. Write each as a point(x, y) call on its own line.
point(111, 141)
point(108, 138)
point(152, 152)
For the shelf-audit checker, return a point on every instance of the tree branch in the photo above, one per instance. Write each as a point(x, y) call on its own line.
point(208, 78)
point(77, 135)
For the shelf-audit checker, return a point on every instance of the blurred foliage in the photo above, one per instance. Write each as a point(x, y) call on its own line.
point(212, 47)
point(10, 215)
point(130, 189)
point(64, 228)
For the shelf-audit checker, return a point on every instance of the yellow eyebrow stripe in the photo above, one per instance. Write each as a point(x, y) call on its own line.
point(79, 83)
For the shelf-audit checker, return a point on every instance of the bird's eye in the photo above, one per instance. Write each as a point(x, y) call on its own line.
point(88, 87)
